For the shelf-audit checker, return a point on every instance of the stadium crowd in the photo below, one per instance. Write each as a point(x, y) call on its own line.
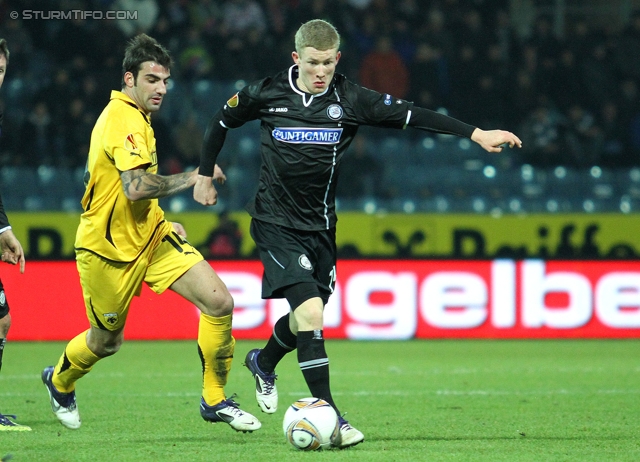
point(573, 98)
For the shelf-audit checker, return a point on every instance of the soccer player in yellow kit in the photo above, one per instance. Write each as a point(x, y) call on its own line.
point(124, 240)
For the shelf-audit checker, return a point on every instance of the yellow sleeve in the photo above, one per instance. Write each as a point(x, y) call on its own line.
point(125, 140)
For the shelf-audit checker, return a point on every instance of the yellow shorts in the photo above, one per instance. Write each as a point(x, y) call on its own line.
point(108, 287)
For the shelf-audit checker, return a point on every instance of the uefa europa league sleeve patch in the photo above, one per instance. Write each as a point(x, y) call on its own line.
point(233, 101)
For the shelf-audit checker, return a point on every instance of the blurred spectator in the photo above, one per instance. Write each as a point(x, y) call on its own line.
point(488, 92)
point(628, 48)
point(360, 172)
point(361, 5)
point(38, 138)
point(94, 98)
point(598, 75)
point(490, 96)
point(241, 16)
point(78, 37)
point(579, 38)
point(544, 39)
point(547, 46)
point(58, 92)
point(384, 70)
point(166, 146)
point(177, 14)
point(542, 135)
point(225, 239)
point(206, 16)
point(194, 60)
point(566, 87)
point(629, 105)
point(278, 19)
point(472, 32)
point(188, 138)
point(505, 37)
point(614, 149)
point(429, 77)
point(76, 130)
point(583, 137)
point(364, 35)
point(435, 31)
point(148, 11)
point(403, 41)
point(164, 34)
point(464, 78)
point(628, 100)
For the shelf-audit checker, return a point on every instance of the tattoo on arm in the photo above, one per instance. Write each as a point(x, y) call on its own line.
point(138, 184)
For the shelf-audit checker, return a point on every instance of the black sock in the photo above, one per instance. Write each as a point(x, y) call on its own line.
point(314, 364)
point(281, 342)
point(2, 342)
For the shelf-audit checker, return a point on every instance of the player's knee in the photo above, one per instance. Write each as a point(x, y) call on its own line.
point(309, 316)
point(104, 345)
point(225, 303)
point(109, 348)
point(220, 303)
point(5, 323)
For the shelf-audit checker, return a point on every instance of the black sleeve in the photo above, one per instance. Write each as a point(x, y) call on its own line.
point(4, 221)
point(425, 119)
point(239, 109)
point(213, 140)
point(376, 109)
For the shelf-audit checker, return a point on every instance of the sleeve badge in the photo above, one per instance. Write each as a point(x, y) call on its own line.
point(233, 101)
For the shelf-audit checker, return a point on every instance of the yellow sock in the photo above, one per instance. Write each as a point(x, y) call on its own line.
point(74, 363)
point(216, 346)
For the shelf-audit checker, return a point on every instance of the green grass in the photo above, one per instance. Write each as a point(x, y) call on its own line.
point(418, 400)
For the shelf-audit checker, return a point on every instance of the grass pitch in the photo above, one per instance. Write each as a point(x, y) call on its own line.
point(569, 400)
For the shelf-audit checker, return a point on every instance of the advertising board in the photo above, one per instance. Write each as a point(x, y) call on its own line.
point(373, 299)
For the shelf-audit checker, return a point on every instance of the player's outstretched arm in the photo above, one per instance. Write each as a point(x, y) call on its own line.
point(494, 140)
point(138, 184)
point(11, 249)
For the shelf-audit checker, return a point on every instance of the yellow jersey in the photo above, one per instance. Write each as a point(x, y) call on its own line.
point(111, 225)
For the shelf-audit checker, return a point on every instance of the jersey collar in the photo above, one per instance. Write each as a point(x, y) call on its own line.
point(115, 94)
point(307, 98)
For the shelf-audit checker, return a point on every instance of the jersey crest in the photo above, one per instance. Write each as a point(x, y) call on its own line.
point(304, 262)
point(335, 112)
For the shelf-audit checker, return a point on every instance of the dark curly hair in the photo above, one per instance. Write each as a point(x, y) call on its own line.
point(4, 49)
point(141, 49)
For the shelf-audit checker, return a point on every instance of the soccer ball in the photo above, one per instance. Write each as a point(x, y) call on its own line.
point(310, 424)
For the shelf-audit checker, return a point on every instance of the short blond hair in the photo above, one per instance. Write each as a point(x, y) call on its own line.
point(318, 34)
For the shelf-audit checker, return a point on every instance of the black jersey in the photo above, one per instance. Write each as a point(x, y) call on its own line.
point(4, 221)
point(303, 139)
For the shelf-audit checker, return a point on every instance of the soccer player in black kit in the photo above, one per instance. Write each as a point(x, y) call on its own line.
point(309, 116)
point(12, 253)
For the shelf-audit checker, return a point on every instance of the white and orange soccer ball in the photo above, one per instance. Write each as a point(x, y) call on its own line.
point(310, 424)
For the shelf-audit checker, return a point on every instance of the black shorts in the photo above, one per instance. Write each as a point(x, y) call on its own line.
point(4, 304)
point(290, 256)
